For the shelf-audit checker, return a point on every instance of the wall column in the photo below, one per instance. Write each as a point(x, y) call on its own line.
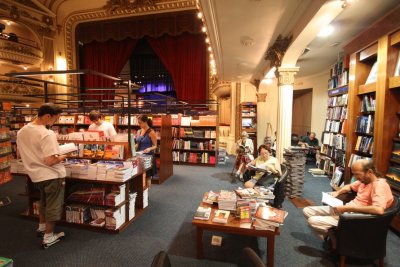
point(285, 98)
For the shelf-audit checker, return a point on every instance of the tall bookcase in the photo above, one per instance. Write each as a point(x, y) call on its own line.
point(381, 44)
point(248, 122)
point(195, 140)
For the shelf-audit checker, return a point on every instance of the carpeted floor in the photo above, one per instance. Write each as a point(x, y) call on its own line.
point(166, 225)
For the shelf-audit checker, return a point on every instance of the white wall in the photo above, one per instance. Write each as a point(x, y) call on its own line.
point(319, 83)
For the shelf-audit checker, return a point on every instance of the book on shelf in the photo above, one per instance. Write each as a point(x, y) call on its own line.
point(221, 216)
point(393, 175)
point(396, 151)
point(336, 179)
point(202, 213)
point(373, 74)
point(331, 201)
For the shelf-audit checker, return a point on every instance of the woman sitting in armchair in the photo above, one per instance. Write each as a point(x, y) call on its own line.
point(264, 164)
point(244, 150)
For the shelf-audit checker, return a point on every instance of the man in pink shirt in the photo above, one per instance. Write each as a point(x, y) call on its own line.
point(373, 197)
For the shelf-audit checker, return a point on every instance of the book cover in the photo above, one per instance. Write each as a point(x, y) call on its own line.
point(221, 216)
point(245, 214)
point(373, 74)
point(270, 214)
point(202, 213)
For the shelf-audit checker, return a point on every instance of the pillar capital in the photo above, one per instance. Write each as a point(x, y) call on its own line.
point(286, 75)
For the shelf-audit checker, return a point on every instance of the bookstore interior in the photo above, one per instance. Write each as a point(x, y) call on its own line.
point(197, 114)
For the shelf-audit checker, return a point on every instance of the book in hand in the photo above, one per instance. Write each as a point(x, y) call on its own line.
point(221, 216)
point(329, 200)
point(202, 213)
point(262, 168)
point(67, 148)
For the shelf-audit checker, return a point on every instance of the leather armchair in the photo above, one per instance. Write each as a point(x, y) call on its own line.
point(363, 235)
point(161, 260)
point(249, 258)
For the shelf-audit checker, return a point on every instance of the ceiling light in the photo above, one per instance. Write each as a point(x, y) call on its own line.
point(328, 30)
point(203, 29)
point(8, 22)
point(209, 48)
point(207, 40)
point(199, 15)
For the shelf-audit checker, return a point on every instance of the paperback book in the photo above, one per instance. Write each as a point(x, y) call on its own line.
point(202, 213)
point(221, 216)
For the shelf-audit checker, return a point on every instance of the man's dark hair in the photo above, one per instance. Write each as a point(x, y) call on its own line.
point(94, 115)
point(369, 165)
point(49, 108)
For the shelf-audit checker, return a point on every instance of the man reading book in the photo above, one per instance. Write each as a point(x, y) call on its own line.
point(373, 197)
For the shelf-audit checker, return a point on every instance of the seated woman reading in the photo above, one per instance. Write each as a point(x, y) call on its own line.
point(263, 162)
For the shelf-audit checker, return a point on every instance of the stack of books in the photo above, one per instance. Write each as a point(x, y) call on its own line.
point(268, 218)
point(227, 200)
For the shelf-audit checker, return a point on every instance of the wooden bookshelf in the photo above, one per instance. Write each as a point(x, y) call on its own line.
point(384, 50)
point(165, 157)
point(190, 133)
point(248, 120)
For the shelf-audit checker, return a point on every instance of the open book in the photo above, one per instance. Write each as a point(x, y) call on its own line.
point(261, 168)
point(329, 200)
point(68, 148)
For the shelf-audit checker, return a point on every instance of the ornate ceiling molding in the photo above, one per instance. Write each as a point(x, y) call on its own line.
point(12, 89)
point(222, 89)
point(103, 14)
point(30, 14)
point(286, 75)
point(20, 54)
point(276, 52)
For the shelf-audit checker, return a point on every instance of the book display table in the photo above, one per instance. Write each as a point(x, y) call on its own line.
point(124, 212)
point(233, 227)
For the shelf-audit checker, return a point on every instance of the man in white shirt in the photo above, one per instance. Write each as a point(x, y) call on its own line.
point(99, 125)
point(40, 154)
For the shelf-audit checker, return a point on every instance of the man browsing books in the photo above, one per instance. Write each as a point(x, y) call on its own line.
point(40, 154)
point(98, 124)
point(373, 197)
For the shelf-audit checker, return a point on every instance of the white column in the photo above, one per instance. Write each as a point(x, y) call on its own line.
point(285, 96)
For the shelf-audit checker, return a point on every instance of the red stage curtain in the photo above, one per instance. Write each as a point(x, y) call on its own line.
point(185, 58)
point(108, 58)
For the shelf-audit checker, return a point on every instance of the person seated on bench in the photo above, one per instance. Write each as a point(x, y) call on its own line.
point(310, 142)
point(245, 150)
point(264, 164)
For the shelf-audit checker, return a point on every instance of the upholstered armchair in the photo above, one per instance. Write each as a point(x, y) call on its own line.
point(364, 236)
point(249, 258)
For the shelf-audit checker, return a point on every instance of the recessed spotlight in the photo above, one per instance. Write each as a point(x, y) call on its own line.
point(326, 31)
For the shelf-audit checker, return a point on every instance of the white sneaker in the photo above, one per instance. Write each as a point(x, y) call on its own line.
point(50, 240)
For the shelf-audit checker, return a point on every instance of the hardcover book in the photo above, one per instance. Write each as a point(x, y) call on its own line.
point(271, 214)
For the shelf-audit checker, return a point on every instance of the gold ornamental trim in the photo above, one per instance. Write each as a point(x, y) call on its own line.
point(286, 76)
point(19, 53)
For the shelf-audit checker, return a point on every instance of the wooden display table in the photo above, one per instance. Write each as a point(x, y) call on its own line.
point(137, 183)
point(233, 227)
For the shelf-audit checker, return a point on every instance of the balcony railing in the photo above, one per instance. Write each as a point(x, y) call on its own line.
point(19, 51)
